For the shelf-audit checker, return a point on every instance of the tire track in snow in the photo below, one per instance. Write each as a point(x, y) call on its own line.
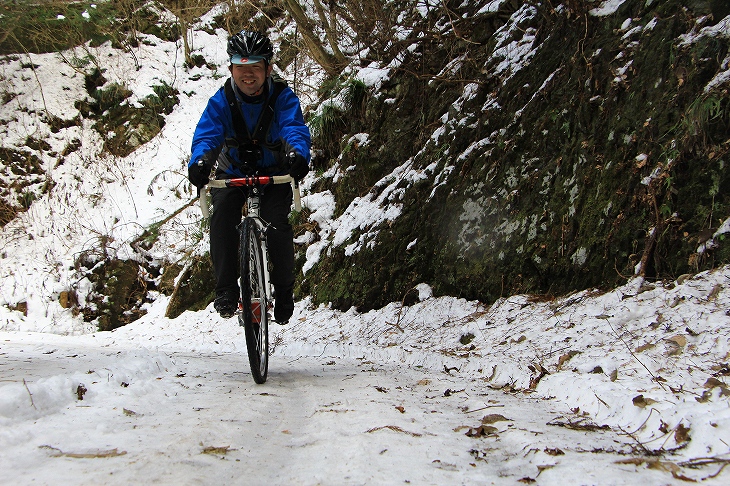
point(198, 418)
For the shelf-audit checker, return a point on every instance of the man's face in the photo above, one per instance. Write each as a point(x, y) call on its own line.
point(250, 78)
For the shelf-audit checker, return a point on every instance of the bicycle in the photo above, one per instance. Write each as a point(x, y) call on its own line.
point(256, 293)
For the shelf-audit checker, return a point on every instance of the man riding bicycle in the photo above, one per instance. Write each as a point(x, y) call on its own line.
point(252, 125)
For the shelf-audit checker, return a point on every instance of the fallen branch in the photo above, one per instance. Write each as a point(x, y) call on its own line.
point(56, 452)
point(704, 461)
point(29, 393)
point(579, 424)
point(484, 408)
point(394, 428)
point(718, 471)
point(645, 449)
point(146, 233)
point(631, 352)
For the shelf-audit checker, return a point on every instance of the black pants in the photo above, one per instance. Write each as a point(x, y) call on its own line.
point(224, 238)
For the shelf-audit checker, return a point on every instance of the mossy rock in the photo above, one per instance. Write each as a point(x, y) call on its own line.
point(121, 292)
point(603, 155)
point(170, 273)
point(195, 288)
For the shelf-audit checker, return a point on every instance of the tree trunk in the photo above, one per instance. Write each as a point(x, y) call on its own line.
point(331, 63)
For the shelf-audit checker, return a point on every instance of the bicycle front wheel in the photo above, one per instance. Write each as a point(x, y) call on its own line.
point(254, 299)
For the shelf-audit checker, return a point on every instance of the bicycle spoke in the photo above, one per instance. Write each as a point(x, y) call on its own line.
point(254, 299)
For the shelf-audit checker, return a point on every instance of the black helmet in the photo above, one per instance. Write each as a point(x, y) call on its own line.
point(248, 47)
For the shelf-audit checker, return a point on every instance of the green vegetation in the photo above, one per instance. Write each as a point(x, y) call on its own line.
point(343, 113)
point(125, 126)
point(52, 26)
point(58, 25)
point(27, 181)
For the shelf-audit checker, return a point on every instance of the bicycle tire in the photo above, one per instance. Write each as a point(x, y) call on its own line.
point(253, 293)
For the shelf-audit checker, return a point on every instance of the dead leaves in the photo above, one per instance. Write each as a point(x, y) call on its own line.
point(493, 418)
point(540, 469)
point(711, 384)
point(644, 347)
point(540, 373)
point(641, 401)
point(676, 469)
point(659, 465)
point(216, 450)
point(721, 369)
point(565, 358)
point(482, 431)
point(681, 434)
point(678, 340)
point(485, 429)
point(676, 345)
point(714, 292)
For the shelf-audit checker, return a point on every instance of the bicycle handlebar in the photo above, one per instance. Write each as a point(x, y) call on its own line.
point(249, 182)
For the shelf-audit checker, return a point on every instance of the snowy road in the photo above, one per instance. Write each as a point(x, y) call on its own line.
point(151, 417)
point(401, 395)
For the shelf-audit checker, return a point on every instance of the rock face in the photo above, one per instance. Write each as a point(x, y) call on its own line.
point(534, 149)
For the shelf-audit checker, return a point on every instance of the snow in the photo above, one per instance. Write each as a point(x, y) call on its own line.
point(491, 6)
point(322, 207)
point(171, 400)
point(373, 76)
point(608, 7)
point(513, 54)
point(721, 30)
point(423, 7)
point(590, 388)
point(711, 243)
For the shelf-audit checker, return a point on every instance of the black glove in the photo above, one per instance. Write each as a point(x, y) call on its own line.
point(198, 173)
point(298, 166)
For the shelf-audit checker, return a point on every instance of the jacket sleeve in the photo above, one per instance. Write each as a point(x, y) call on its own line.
point(210, 133)
point(293, 132)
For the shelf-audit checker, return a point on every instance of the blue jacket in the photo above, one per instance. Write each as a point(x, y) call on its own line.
point(216, 125)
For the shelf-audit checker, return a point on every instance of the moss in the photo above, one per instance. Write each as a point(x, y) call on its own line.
point(170, 273)
point(195, 288)
point(35, 27)
point(25, 181)
point(124, 126)
point(119, 293)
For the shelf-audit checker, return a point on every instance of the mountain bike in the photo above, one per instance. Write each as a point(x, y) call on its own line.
point(256, 294)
